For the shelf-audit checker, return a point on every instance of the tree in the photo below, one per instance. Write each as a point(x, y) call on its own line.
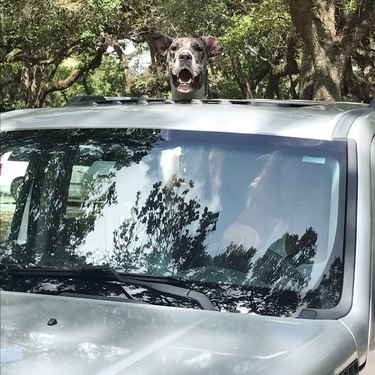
point(107, 79)
point(312, 49)
point(333, 32)
point(51, 32)
point(264, 49)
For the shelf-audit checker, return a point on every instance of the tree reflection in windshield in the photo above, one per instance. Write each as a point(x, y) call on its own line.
point(174, 230)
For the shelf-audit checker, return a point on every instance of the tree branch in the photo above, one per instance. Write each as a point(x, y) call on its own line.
point(360, 25)
point(125, 63)
point(76, 74)
point(359, 86)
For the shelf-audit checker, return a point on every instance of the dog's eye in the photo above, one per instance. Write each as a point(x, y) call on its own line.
point(198, 48)
point(173, 48)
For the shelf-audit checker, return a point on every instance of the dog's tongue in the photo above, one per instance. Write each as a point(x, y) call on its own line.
point(184, 88)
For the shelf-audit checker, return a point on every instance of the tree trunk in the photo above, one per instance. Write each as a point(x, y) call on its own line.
point(324, 80)
point(329, 38)
point(363, 84)
point(324, 57)
point(241, 78)
point(31, 81)
point(125, 64)
point(287, 68)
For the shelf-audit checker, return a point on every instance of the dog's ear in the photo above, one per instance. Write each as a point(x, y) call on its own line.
point(213, 45)
point(157, 40)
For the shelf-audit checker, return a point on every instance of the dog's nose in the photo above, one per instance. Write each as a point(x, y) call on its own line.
point(185, 57)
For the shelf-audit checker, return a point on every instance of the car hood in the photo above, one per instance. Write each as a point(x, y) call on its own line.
point(43, 334)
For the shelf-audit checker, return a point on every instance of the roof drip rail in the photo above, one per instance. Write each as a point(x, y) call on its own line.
point(101, 100)
point(200, 101)
point(84, 100)
point(240, 101)
point(185, 101)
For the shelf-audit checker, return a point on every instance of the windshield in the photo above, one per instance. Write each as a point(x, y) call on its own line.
point(253, 222)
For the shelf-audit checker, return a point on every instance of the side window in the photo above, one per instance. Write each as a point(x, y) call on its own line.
point(85, 157)
point(91, 167)
point(13, 166)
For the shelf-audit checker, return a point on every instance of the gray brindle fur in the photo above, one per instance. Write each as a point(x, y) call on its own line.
point(187, 60)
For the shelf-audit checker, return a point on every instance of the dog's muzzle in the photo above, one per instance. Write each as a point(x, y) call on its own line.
point(184, 78)
point(185, 81)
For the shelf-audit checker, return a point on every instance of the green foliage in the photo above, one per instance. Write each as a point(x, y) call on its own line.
point(108, 79)
point(50, 32)
point(152, 82)
point(223, 86)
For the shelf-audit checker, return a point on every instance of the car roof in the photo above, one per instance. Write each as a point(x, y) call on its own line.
point(294, 118)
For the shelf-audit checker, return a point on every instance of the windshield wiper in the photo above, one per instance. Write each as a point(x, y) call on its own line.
point(159, 283)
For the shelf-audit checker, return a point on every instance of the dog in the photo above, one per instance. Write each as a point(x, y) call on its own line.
point(187, 61)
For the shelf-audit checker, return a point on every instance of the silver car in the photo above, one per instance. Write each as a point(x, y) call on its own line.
point(211, 237)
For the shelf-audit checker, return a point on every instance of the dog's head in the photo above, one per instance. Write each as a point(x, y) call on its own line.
point(187, 60)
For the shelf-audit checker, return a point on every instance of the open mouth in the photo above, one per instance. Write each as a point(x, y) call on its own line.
point(185, 81)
